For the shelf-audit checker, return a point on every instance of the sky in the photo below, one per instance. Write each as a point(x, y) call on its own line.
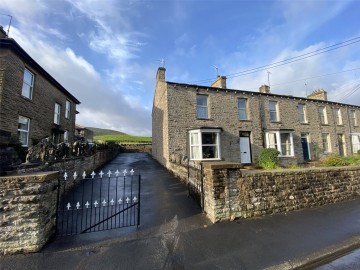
point(107, 52)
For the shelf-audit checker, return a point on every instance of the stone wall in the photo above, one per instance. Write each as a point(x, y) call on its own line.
point(28, 211)
point(85, 163)
point(233, 193)
point(28, 201)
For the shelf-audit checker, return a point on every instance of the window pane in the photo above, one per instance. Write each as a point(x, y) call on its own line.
point(195, 152)
point(202, 112)
point(28, 77)
point(23, 123)
point(301, 111)
point(201, 100)
point(194, 138)
point(272, 140)
point(209, 152)
point(208, 138)
point(23, 138)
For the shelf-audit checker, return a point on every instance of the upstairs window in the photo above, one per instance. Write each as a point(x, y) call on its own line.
point(202, 106)
point(339, 117)
point(57, 114)
point(281, 141)
point(242, 111)
point(205, 144)
point(28, 84)
point(67, 109)
point(273, 109)
point(322, 115)
point(353, 118)
point(302, 113)
point(23, 130)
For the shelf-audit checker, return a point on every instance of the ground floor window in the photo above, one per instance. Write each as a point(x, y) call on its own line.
point(66, 136)
point(282, 141)
point(326, 142)
point(355, 140)
point(204, 144)
point(23, 130)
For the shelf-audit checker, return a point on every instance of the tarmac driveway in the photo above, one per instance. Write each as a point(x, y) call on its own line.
point(174, 234)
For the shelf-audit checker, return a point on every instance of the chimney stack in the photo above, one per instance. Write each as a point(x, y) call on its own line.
point(160, 75)
point(264, 89)
point(319, 94)
point(220, 82)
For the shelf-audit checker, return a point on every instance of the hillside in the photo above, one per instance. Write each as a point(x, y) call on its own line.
point(102, 132)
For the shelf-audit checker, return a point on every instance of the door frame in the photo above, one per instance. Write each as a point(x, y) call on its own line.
point(245, 134)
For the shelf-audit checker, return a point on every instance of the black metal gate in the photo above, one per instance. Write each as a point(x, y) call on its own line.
point(97, 202)
point(195, 182)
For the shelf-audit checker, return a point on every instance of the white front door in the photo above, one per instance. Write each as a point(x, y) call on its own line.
point(245, 154)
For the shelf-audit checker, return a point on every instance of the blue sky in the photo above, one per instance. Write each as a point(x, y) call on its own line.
point(106, 52)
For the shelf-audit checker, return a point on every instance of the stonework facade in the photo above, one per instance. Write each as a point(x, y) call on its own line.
point(215, 123)
point(28, 98)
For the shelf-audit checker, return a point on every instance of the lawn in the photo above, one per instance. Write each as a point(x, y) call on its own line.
point(123, 139)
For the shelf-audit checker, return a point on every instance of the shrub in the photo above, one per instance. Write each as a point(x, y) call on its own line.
point(268, 158)
point(335, 160)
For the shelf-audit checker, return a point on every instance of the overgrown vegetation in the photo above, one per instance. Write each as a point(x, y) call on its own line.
point(336, 160)
point(123, 139)
point(268, 158)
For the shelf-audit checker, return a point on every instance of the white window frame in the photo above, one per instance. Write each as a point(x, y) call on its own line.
point(66, 136)
point(196, 145)
point(328, 150)
point(28, 87)
point(67, 109)
point(323, 115)
point(242, 110)
point(274, 111)
point(24, 131)
point(302, 113)
point(202, 111)
point(277, 144)
point(339, 117)
point(353, 117)
point(355, 141)
point(57, 111)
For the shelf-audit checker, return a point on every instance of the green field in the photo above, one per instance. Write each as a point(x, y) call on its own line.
point(123, 139)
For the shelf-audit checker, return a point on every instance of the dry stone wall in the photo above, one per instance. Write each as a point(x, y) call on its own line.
point(233, 193)
point(28, 210)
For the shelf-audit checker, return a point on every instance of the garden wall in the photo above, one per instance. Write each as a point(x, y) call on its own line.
point(233, 193)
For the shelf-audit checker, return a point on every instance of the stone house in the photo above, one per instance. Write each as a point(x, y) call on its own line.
point(83, 133)
point(205, 123)
point(33, 105)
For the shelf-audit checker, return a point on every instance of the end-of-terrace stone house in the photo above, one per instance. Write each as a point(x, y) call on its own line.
point(33, 105)
point(216, 123)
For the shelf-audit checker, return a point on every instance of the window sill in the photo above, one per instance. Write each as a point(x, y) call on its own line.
point(305, 123)
point(275, 122)
point(204, 119)
point(340, 125)
point(26, 98)
point(245, 120)
point(325, 124)
point(287, 157)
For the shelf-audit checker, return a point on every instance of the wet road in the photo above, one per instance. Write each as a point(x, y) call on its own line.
point(350, 261)
point(174, 234)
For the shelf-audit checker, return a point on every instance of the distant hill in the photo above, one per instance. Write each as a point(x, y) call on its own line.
point(101, 131)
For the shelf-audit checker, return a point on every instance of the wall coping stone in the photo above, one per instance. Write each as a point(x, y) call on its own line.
point(31, 177)
point(216, 165)
point(311, 169)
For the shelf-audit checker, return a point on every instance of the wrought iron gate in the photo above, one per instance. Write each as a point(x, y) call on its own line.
point(195, 182)
point(97, 202)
